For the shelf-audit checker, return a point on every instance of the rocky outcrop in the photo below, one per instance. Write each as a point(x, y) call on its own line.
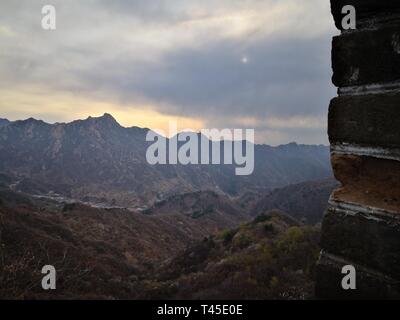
point(362, 223)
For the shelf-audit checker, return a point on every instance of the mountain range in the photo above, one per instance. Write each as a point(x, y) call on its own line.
point(98, 160)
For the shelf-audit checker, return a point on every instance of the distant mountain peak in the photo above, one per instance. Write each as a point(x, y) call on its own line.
point(105, 119)
point(31, 121)
point(107, 116)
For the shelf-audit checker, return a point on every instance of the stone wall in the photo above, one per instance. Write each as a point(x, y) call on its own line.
point(362, 223)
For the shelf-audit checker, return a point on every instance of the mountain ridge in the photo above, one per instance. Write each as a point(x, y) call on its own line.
point(97, 157)
point(109, 117)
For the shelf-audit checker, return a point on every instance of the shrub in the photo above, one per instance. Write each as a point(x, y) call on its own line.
point(262, 218)
point(269, 227)
point(242, 240)
point(274, 282)
point(227, 235)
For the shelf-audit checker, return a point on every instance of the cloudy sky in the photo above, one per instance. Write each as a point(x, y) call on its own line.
point(262, 64)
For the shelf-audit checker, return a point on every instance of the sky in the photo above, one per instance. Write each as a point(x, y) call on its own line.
point(262, 64)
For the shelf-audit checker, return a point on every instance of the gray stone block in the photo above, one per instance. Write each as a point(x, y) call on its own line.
point(371, 120)
point(366, 57)
point(367, 239)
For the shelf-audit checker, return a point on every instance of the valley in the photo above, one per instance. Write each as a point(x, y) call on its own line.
point(171, 249)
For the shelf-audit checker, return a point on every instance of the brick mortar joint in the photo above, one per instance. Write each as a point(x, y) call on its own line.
point(378, 152)
point(372, 88)
point(370, 213)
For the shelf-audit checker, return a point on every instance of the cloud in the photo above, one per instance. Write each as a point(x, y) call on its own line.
point(215, 62)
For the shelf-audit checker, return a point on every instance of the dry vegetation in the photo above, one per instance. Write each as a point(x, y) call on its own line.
point(119, 254)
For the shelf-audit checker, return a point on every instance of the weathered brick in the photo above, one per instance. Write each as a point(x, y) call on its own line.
point(370, 120)
point(366, 57)
point(368, 181)
point(364, 238)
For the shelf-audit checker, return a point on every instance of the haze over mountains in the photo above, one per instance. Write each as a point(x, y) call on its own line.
point(100, 161)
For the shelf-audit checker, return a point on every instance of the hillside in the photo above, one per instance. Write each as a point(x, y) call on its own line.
point(305, 201)
point(98, 160)
point(96, 251)
point(117, 253)
point(272, 257)
point(198, 204)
